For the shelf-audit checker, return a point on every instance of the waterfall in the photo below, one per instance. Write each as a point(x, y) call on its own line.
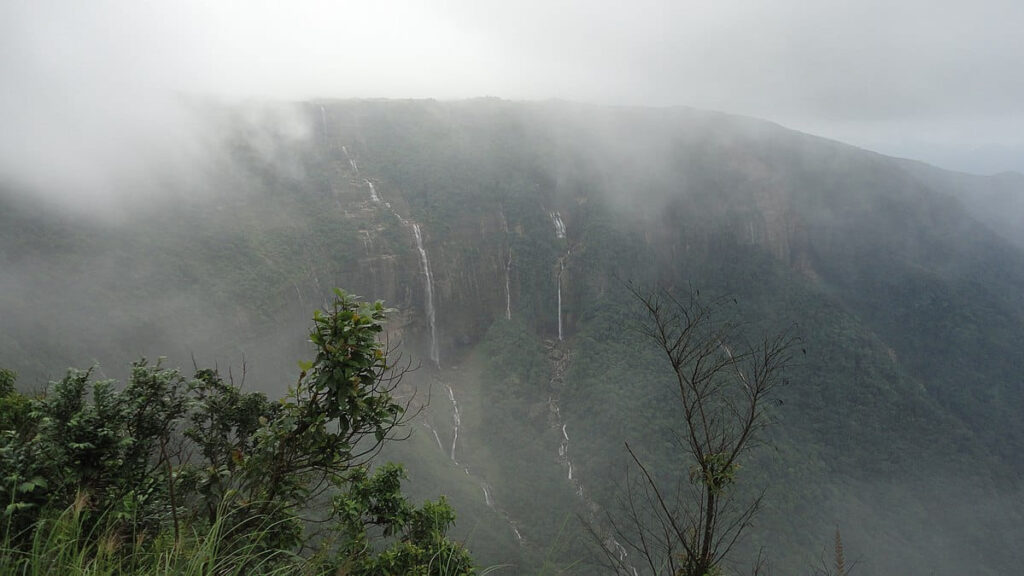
point(613, 546)
point(508, 293)
point(556, 219)
point(435, 356)
point(563, 447)
point(559, 280)
point(559, 308)
point(610, 543)
point(619, 549)
point(373, 192)
point(725, 347)
point(436, 437)
point(319, 289)
point(351, 162)
point(431, 317)
point(367, 241)
point(323, 120)
point(434, 350)
point(458, 422)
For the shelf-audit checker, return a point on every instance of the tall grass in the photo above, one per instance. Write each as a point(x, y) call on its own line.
point(71, 543)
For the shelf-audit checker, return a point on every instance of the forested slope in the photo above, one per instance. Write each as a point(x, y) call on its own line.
point(900, 421)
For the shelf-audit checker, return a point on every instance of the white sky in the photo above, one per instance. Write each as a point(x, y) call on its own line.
point(936, 80)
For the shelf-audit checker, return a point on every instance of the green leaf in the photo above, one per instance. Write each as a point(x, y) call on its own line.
point(15, 506)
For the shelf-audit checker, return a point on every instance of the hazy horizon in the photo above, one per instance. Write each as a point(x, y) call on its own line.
point(95, 89)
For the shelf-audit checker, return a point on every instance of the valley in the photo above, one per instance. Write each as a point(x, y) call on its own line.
point(507, 237)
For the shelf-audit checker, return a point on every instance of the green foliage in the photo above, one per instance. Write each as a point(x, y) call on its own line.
point(165, 455)
point(7, 379)
point(414, 541)
point(14, 407)
point(83, 437)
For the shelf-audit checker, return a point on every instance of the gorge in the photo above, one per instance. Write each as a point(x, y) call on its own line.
point(507, 235)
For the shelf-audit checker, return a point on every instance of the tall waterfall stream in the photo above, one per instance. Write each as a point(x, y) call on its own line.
point(560, 363)
point(435, 355)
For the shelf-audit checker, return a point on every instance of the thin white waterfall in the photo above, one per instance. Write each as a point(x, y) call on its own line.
point(563, 447)
point(431, 317)
point(559, 279)
point(556, 219)
point(613, 546)
point(619, 549)
point(373, 192)
point(725, 347)
point(323, 120)
point(436, 437)
point(508, 292)
point(428, 288)
point(351, 161)
point(319, 288)
point(609, 543)
point(434, 349)
point(458, 422)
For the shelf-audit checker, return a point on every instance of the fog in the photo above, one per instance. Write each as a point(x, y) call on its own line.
point(93, 94)
point(108, 107)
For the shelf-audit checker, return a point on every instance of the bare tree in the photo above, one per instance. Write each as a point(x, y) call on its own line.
point(724, 385)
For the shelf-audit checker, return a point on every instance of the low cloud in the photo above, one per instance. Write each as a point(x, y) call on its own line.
point(92, 91)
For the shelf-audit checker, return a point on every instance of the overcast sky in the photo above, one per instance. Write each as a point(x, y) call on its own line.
point(935, 80)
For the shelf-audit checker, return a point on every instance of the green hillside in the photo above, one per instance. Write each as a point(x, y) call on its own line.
point(900, 422)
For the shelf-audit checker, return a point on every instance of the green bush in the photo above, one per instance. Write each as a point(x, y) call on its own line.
point(198, 463)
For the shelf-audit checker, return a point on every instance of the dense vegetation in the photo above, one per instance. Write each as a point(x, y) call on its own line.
point(169, 475)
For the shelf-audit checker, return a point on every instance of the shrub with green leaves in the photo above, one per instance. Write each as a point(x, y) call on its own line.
point(169, 455)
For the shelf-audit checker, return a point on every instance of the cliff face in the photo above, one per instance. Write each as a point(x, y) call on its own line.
point(636, 192)
point(891, 278)
point(505, 236)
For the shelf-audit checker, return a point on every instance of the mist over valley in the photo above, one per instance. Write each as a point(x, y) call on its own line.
point(845, 240)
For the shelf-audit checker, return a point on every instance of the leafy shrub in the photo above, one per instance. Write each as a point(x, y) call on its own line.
point(166, 455)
